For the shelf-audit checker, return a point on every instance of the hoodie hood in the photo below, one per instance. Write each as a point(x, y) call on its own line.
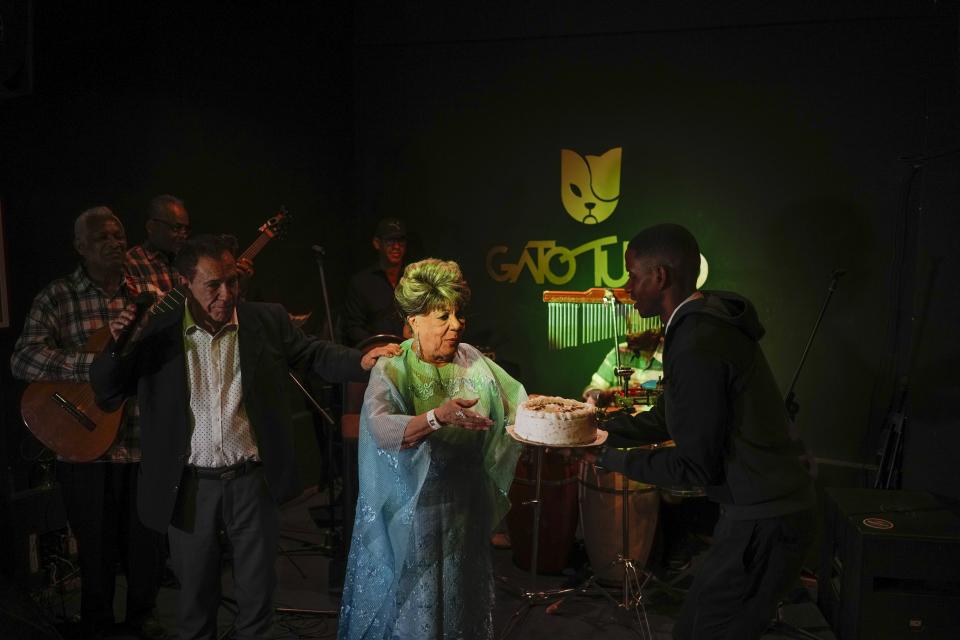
point(726, 306)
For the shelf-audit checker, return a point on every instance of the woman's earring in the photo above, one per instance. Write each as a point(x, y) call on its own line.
point(416, 346)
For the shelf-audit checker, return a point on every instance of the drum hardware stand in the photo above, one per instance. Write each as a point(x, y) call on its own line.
point(635, 578)
point(632, 596)
point(620, 372)
point(531, 597)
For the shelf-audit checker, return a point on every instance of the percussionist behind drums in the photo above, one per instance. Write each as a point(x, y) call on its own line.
point(643, 353)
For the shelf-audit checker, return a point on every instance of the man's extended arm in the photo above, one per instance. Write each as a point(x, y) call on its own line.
point(699, 414)
point(629, 431)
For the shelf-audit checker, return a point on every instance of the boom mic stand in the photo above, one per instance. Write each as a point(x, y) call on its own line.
point(905, 347)
point(793, 408)
point(790, 401)
point(331, 520)
point(318, 254)
point(330, 423)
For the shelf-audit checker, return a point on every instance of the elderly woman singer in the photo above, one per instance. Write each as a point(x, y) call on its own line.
point(436, 464)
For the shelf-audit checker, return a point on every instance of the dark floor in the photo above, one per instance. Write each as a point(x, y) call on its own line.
point(303, 578)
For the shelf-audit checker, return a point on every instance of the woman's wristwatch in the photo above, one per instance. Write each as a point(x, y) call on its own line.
point(432, 420)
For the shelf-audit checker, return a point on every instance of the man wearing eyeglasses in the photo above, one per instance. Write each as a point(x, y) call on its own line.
point(151, 264)
point(369, 309)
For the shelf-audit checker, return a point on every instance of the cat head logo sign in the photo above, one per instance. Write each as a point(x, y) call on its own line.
point(590, 185)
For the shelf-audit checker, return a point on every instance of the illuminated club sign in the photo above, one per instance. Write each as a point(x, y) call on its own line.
point(590, 185)
point(589, 192)
point(550, 262)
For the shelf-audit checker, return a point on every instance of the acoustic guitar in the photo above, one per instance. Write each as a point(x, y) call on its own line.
point(64, 416)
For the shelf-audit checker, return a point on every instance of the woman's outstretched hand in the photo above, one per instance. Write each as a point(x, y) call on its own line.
point(456, 411)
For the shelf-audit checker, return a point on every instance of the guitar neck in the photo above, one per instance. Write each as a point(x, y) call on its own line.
point(171, 301)
point(256, 246)
point(175, 298)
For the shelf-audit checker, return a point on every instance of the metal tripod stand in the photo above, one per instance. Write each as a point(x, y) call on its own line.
point(532, 596)
point(635, 577)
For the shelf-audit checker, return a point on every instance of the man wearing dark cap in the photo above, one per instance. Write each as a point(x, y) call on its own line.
point(369, 309)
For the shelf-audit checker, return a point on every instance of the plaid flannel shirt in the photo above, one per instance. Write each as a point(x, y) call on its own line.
point(63, 317)
point(150, 271)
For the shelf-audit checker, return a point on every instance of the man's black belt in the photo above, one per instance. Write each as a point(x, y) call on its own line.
point(224, 473)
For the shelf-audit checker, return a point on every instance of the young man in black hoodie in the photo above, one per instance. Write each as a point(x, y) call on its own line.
point(722, 407)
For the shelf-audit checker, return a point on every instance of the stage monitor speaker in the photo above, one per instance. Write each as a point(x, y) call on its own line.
point(27, 517)
point(890, 566)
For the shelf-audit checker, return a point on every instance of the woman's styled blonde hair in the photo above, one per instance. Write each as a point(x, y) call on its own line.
point(431, 284)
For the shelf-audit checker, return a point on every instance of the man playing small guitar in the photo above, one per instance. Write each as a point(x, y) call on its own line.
point(150, 264)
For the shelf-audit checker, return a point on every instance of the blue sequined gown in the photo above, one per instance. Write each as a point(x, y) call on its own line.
point(419, 564)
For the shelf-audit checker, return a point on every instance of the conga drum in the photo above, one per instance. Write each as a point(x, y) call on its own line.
point(558, 510)
point(619, 518)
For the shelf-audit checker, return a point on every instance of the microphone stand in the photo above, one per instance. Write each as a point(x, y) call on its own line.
point(790, 401)
point(318, 254)
point(793, 408)
point(905, 339)
point(330, 522)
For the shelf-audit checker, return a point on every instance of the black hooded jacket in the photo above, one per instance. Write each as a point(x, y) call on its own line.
point(722, 407)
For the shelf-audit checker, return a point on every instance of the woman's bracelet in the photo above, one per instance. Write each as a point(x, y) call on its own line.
point(432, 420)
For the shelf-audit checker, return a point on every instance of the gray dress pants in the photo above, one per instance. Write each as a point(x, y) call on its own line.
point(239, 505)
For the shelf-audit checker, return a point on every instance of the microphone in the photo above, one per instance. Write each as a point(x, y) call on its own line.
point(143, 301)
point(837, 273)
point(317, 249)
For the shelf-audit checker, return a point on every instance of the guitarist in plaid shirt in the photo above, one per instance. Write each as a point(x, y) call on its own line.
point(151, 264)
point(100, 496)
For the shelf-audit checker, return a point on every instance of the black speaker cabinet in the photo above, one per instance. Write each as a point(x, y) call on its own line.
point(890, 566)
point(25, 518)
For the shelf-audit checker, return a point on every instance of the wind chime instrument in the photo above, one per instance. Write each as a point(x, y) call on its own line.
point(583, 317)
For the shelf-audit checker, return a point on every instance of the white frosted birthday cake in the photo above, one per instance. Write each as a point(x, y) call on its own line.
point(556, 421)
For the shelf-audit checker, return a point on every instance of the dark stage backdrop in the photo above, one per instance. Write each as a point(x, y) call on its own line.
point(773, 130)
point(236, 108)
point(774, 134)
